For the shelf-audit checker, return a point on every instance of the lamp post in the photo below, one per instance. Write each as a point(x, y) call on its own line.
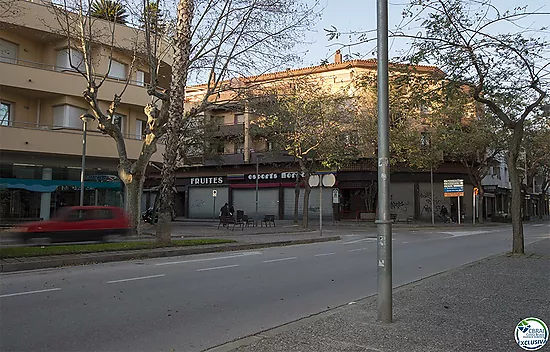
point(257, 178)
point(86, 118)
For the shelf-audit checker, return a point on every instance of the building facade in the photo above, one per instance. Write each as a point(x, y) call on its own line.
point(40, 107)
point(248, 169)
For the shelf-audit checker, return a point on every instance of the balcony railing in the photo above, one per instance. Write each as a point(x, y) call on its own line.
point(66, 70)
point(66, 129)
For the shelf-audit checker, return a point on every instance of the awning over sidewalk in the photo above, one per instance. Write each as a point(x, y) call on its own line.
point(51, 185)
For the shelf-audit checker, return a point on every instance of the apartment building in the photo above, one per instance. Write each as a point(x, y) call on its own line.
point(40, 107)
point(244, 158)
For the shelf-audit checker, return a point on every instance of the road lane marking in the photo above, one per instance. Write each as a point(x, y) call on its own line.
point(324, 254)
point(135, 278)
point(279, 260)
point(465, 233)
point(361, 240)
point(538, 225)
point(29, 292)
point(209, 259)
point(357, 250)
point(218, 267)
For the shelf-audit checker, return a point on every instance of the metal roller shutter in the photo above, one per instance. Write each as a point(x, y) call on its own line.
point(289, 203)
point(268, 201)
point(313, 203)
point(201, 201)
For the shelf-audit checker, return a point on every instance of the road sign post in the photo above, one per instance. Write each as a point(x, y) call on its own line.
point(327, 180)
point(214, 196)
point(454, 188)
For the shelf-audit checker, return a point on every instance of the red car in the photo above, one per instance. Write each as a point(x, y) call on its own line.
point(87, 223)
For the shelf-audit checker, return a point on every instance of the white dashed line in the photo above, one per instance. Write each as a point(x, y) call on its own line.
point(209, 259)
point(135, 278)
point(357, 250)
point(218, 267)
point(324, 254)
point(29, 292)
point(361, 240)
point(279, 260)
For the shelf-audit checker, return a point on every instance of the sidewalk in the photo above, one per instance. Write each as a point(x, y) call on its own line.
point(472, 308)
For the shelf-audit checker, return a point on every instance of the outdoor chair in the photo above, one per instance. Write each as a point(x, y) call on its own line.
point(268, 220)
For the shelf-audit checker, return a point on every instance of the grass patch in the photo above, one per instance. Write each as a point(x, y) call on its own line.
point(33, 251)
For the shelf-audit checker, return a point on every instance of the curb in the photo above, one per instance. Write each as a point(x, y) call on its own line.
point(105, 257)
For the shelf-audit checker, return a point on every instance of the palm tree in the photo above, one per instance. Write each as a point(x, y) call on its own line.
point(153, 16)
point(110, 10)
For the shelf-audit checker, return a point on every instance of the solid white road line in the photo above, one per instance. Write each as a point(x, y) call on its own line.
point(357, 250)
point(538, 225)
point(209, 259)
point(135, 278)
point(324, 254)
point(218, 267)
point(29, 292)
point(361, 240)
point(279, 260)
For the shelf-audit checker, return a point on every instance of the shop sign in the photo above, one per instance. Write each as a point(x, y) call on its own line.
point(206, 180)
point(102, 178)
point(292, 175)
point(271, 176)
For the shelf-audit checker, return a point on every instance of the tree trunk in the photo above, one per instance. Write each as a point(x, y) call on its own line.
point(296, 197)
point(481, 204)
point(177, 117)
point(134, 190)
point(305, 211)
point(517, 220)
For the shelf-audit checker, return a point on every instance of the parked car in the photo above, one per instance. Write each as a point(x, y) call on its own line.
point(86, 223)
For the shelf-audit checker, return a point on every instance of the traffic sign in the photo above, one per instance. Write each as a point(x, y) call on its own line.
point(453, 188)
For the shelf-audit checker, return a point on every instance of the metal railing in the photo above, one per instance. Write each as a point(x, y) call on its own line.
point(58, 128)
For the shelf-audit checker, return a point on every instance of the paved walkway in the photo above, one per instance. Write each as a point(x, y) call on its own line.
point(473, 308)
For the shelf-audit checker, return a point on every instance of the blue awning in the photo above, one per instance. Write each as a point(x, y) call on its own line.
point(51, 185)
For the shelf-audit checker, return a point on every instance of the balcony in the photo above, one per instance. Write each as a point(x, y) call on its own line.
point(34, 138)
point(229, 130)
point(47, 78)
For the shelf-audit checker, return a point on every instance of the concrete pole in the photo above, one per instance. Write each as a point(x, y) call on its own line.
point(384, 220)
point(432, 189)
point(257, 177)
point(321, 207)
point(459, 213)
point(83, 166)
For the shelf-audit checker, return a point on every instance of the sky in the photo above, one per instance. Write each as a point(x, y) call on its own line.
point(361, 15)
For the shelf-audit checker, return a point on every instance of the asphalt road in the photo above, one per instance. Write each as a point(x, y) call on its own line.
point(195, 302)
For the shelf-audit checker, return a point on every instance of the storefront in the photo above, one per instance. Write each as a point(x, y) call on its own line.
point(41, 199)
point(275, 194)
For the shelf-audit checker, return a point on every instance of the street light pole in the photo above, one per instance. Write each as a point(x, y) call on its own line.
point(85, 119)
point(384, 221)
point(257, 177)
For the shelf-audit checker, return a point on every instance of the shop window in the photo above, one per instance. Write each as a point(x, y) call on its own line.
point(5, 113)
point(8, 51)
point(68, 59)
point(67, 116)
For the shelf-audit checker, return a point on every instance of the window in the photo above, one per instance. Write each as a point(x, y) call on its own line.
point(5, 113)
point(64, 60)
point(269, 146)
point(140, 78)
point(8, 51)
point(239, 148)
point(117, 70)
point(424, 139)
point(67, 116)
point(141, 128)
point(497, 172)
point(239, 119)
point(119, 121)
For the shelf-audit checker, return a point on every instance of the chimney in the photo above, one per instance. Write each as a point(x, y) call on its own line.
point(338, 57)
